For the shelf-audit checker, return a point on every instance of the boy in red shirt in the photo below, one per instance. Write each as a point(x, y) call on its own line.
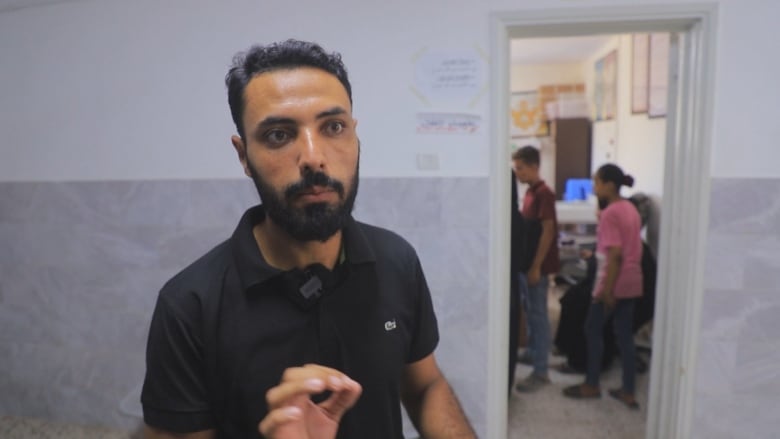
point(538, 205)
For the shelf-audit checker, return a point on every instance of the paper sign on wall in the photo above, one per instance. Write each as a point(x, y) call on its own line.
point(448, 123)
point(448, 75)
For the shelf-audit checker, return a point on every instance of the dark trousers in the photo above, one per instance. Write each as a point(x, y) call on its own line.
point(622, 326)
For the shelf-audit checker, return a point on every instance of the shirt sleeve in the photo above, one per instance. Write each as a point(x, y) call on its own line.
point(426, 334)
point(546, 200)
point(174, 395)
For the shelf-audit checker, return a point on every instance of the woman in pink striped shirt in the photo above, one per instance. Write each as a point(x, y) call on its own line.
point(618, 284)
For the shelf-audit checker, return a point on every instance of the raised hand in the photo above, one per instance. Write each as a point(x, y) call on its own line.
point(293, 415)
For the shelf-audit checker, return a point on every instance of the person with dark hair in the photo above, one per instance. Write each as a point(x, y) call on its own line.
point(618, 284)
point(304, 324)
point(542, 260)
point(575, 303)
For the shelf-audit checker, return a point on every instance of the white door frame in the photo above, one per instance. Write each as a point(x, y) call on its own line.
point(685, 206)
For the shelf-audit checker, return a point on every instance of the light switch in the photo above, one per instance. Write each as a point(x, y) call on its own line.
point(427, 162)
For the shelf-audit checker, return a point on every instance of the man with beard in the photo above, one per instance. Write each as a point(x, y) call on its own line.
point(305, 323)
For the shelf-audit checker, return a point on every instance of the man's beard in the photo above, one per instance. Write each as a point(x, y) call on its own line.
point(315, 221)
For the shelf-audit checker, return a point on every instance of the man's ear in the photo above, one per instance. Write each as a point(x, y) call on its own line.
point(240, 147)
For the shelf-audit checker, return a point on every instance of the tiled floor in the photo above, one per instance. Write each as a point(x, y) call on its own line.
point(550, 415)
point(13, 427)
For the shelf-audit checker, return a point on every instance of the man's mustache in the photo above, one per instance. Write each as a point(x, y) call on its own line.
point(311, 179)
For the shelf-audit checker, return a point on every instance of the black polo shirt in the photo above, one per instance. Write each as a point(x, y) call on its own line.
point(226, 327)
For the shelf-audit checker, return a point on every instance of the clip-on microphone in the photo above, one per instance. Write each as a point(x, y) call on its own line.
point(312, 288)
point(305, 287)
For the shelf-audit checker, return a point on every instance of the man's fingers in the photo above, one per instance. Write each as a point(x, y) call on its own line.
point(277, 418)
point(308, 380)
point(341, 401)
point(309, 371)
point(287, 390)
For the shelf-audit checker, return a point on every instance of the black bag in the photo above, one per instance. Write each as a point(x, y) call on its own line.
point(529, 232)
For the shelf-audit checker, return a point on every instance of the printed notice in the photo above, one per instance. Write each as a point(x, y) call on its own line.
point(448, 123)
point(446, 76)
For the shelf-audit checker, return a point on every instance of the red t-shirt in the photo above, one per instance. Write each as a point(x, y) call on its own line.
point(619, 226)
point(539, 204)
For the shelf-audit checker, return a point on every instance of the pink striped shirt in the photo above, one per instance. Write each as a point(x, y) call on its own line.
point(619, 226)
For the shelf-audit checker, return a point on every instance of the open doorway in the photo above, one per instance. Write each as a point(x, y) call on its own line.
point(583, 102)
point(686, 183)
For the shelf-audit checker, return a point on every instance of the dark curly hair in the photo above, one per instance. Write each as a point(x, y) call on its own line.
point(611, 173)
point(288, 54)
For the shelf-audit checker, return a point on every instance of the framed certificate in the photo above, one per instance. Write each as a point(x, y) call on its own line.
point(659, 75)
point(640, 72)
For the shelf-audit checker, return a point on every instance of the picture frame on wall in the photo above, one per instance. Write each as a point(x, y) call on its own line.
point(598, 90)
point(658, 80)
point(525, 115)
point(640, 73)
point(610, 85)
point(605, 87)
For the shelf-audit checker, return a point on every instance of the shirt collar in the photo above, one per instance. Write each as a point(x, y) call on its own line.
point(533, 187)
point(252, 267)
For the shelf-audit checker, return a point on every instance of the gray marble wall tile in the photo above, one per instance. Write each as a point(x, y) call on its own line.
point(757, 368)
point(464, 202)
point(736, 417)
point(68, 384)
point(127, 203)
point(451, 257)
point(737, 378)
point(399, 202)
point(724, 312)
point(82, 263)
point(762, 265)
point(747, 206)
point(723, 265)
point(715, 380)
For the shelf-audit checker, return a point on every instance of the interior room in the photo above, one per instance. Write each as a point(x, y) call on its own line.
point(117, 170)
point(556, 80)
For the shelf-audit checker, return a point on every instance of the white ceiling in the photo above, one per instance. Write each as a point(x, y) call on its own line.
point(556, 50)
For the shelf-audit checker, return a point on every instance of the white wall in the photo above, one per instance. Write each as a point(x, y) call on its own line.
point(133, 90)
point(747, 134)
point(639, 142)
point(529, 77)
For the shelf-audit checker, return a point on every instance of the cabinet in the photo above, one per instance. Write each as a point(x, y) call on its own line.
point(572, 138)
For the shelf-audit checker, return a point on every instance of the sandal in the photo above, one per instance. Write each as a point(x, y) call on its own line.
point(623, 397)
point(582, 391)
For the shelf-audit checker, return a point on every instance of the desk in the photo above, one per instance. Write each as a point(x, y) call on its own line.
point(576, 212)
point(576, 230)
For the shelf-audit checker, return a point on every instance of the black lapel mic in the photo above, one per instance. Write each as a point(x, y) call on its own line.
point(305, 287)
point(312, 287)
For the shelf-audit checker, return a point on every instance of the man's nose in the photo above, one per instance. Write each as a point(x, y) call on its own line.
point(312, 154)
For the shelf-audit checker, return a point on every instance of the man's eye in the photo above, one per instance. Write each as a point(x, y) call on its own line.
point(276, 137)
point(334, 127)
